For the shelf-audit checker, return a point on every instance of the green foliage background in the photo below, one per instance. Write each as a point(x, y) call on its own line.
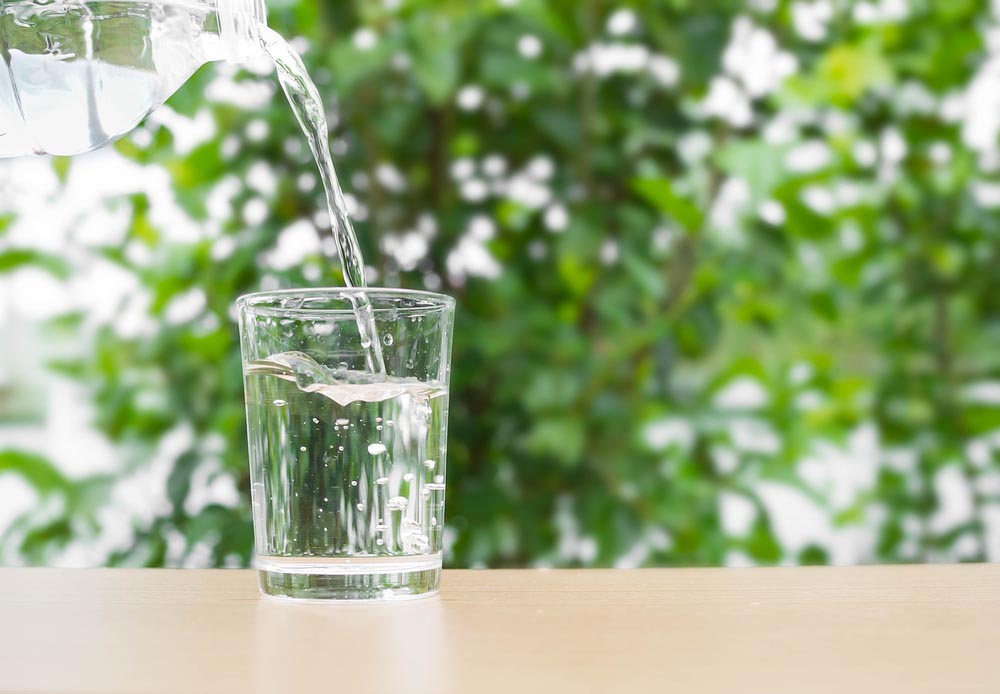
point(591, 423)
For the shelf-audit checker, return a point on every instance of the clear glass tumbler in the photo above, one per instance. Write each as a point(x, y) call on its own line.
point(347, 466)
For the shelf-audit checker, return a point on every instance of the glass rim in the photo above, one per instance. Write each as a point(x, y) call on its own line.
point(266, 301)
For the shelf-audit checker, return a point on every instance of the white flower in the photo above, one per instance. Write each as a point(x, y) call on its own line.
point(727, 101)
point(664, 70)
point(541, 168)
point(407, 250)
point(556, 218)
point(810, 19)
point(462, 168)
point(893, 146)
point(819, 199)
point(736, 513)
point(474, 190)
point(623, 21)
point(772, 212)
point(390, 177)
point(663, 433)
point(980, 107)
point(754, 58)
point(743, 393)
point(604, 59)
point(529, 46)
point(365, 39)
point(809, 156)
point(470, 98)
point(471, 258)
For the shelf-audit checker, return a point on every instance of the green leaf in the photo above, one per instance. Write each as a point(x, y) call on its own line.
point(61, 166)
point(660, 194)
point(559, 438)
point(34, 469)
point(757, 162)
point(22, 257)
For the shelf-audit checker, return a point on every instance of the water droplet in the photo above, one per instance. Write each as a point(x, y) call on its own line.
point(315, 421)
point(378, 419)
point(343, 422)
point(361, 506)
point(280, 403)
point(376, 448)
point(408, 477)
point(354, 483)
point(378, 427)
point(302, 448)
point(342, 366)
point(326, 498)
point(340, 448)
point(397, 503)
point(380, 528)
point(380, 541)
point(439, 479)
point(434, 520)
point(390, 423)
point(382, 480)
point(387, 340)
point(429, 464)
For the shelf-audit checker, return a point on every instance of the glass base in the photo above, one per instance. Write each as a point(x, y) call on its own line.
point(349, 578)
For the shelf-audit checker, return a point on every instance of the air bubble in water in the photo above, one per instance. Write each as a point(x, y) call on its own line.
point(354, 483)
point(315, 421)
point(340, 448)
point(408, 477)
point(280, 403)
point(387, 340)
point(376, 448)
point(382, 480)
point(429, 464)
point(342, 422)
point(397, 503)
point(378, 427)
point(380, 541)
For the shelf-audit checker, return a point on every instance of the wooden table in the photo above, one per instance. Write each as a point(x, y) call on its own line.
point(855, 630)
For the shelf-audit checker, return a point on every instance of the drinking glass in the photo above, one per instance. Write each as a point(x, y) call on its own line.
point(347, 465)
